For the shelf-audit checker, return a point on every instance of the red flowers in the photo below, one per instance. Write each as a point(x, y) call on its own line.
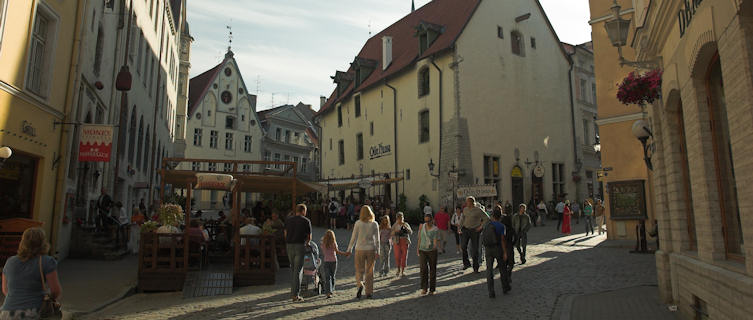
point(640, 89)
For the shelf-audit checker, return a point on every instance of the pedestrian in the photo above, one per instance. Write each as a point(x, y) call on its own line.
point(401, 232)
point(385, 242)
point(455, 227)
point(26, 277)
point(511, 239)
point(442, 221)
point(297, 237)
point(508, 207)
point(543, 213)
point(588, 215)
point(428, 209)
point(123, 222)
point(495, 246)
point(560, 208)
point(142, 206)
point(365, 239)
point(472, 221)
point(600, 216)
point(104, 206)
point(566, 216)
point(428, 243)
point(575, 209)
point(350, 213)
point(330, 250)
point(332, 210)
point(137, 219)
point(521, 223)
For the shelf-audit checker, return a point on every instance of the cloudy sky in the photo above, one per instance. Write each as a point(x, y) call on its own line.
point(288, 49)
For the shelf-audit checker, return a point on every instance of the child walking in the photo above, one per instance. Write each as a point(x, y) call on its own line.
point(385, 241)
point(329, 268)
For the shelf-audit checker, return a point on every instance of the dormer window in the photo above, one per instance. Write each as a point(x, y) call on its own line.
point(362, 68)
point(427, 33)
point(343, 80)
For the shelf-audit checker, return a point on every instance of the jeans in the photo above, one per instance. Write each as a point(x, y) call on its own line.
point(522, 244)
point(472, 236)
point(457, 235)
point(589, 224)
point(401, 252)
point(428, 262)
point(510, 263)
point(383, 265)
point(495, 253)
point(295, 256)
point(365, 270)
point(329, 269)
point(559, 220)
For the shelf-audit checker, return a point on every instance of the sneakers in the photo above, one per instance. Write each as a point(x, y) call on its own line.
point(297, 299)
point(432, 292)
point(522, 260)
point(423, 292)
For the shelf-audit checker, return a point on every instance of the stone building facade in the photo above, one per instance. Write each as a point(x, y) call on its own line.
point(289, 135)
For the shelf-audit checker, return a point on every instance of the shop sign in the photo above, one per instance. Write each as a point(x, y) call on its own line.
point(627, 200)
point(477, 191)
point(379, 151)
point(95, 143)
point(538, 171)
point(214, 181)
point(516, 172)
point(364, 184)
point(685, 16)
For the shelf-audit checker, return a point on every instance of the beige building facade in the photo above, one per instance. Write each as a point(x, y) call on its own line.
point(485, 91)
point(701, 130)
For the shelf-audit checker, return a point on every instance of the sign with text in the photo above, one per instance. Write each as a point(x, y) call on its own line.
point(379, 151)
point(214, 181)
point(627, 200)
point(477, 191)
point(95, 143)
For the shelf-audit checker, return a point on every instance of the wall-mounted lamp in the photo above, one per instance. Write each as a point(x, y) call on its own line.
point(643, 133)
point(617, 30)
point(5, 153)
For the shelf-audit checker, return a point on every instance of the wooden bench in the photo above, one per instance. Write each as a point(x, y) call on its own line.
point(255, 261)
point(11, 231)
point(162, 267)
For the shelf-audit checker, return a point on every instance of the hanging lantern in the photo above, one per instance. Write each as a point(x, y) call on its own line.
point(123, 81)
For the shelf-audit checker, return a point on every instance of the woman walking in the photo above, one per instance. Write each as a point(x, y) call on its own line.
point(365, 238)
point(329, 268)
point(566, 213)
point(588, 216)
point(455, 227)
point(25, 276)
point(428, 242)
point(385, 243)
point(401, 232)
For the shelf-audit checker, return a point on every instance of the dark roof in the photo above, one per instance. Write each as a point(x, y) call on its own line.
point(199, 85)
point(452, 15)
point(263, 114)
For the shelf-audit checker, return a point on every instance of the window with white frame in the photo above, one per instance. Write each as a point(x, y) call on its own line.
point(40, 51)
point(304, 163)
point(558, 179)
point(227, 167)
point(212, 167)
point(277, 159)
point(228, 141)
point(583, 90)
point(213, 136)
point(247, 144)
point(267, 157)
point(195, 166)
point(197, 136)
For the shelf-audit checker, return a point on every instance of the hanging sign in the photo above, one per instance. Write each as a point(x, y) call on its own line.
point(364, 184)
point(538, 171)
point(517, 172)
point(215, 181)
point(95, 143)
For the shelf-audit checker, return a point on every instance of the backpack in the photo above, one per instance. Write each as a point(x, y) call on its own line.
point(332, 207)
point(510, 233)
point(489, 236)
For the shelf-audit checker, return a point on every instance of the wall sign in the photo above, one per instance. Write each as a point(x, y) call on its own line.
point(627, 200)
point(516, 172)
point(95, 143)
point(538, 171)
point(685, 16)
point(379, 151)
point(477, 191)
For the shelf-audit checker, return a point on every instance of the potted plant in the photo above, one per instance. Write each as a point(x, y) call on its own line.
point(170, 214)
point(640, 89)
point(149, 226)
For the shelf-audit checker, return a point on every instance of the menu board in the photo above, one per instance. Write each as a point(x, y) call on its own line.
point(627, 200)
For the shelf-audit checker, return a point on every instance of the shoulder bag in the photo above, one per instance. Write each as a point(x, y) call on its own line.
point(50, 308)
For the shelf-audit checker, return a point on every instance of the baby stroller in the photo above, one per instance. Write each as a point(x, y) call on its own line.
point(311, 274)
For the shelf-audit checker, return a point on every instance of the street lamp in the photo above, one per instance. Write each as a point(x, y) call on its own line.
point(431, 169)
point(5, 153)
point(617, 30)
point(643, 133)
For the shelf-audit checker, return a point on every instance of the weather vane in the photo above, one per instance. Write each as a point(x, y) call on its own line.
point(229, 37)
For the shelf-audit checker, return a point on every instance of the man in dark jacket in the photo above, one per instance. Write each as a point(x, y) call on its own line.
point(511, 239)
point(521, 223)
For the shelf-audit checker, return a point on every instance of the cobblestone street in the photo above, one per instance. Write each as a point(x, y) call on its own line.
point(557, 267)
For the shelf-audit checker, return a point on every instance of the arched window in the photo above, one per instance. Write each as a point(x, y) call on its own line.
point(98, 50)
point(140, 143)
point(145, 161)
point(132, 136)
point(423, 82)
point(516, 40)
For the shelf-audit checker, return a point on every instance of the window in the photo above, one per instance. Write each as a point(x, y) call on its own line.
point(500, 32)
point(341, 152)
point(140, 143)
point(212, 167)
point(195, 166)
point(371, 128)
point(144, 163)
point(139, 51)
point(230, 122)
point(357, 101)
point(359, 146)
point(407, 174)
point(491, 170)
point(423, 82)
point(246, 168)
point(339, 116)
point(533, 43)
point(132, 136)
point(197, 137)
point(40, 52)
point(516, 40)
point(278, 134)
point(423, 126)
point(267, 157)
point(287, 136)
point(227, 167)
point(228, 141)
point(277, 159)
point(304, 163)
point(593, 93)
point(247, 144)
point(213, 139)
point(330, 144)
point(558, 179)
point(98, 50)
point(723, 161)
point(586, 132)
point(583, 89)
point(423, 42)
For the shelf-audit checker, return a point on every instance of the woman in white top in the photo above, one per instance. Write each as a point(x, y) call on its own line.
point(365, 238)
point(455, 226)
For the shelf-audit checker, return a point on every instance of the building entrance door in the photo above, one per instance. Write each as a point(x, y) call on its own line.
point(17, 184)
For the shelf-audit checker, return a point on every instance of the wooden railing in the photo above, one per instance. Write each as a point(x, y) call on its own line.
point(255, 260)
point(163, 259)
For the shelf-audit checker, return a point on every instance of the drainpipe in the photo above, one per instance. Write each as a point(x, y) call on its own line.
point(157, 100)
point(439, 160)
point(394, 127)
point(67, 107)
point(572, 115)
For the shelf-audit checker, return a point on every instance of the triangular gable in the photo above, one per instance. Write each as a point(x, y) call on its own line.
point(554, 33)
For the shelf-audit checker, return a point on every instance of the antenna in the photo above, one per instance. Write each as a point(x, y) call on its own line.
point(229, 36)
point(369, 28)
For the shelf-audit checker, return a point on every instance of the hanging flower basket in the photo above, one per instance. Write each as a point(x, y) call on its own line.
point(640, 89)
point(170, 214)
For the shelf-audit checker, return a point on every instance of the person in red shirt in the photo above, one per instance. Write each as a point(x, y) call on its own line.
point(442, 220)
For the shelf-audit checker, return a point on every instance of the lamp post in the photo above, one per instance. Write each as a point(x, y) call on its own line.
point(452, 174)
point(5, 153)
point(643, 133)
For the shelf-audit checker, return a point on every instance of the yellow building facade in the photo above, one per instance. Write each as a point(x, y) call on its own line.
point(628, 191)
point(37, 55)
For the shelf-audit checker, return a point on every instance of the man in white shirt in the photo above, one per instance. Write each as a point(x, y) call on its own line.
point(123, 221)
point(250, 229)
point(543, 212)
point(428, 210)
point(560, 208)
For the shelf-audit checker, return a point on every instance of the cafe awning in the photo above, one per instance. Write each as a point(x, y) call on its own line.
point(347, 184)
point(252, 183)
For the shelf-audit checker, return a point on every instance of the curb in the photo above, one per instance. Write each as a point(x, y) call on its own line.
point(75, 314)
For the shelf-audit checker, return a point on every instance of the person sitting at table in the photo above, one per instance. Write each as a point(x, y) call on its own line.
point(197, 232)
point(250, 228)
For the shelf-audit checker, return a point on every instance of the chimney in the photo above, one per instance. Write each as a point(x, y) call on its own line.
point(322, 101)
point(386, 52)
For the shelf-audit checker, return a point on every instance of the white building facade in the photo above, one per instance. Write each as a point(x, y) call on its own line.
point(289, 135)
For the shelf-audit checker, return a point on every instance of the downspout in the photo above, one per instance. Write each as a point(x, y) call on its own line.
point(69, 95)
point(572, 115)
point(394, 135)
point(439, 159)
point(157, 99)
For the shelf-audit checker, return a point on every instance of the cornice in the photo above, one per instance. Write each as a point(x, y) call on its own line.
point(620, 118)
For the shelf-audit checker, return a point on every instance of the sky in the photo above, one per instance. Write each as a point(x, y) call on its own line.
point(288, 49)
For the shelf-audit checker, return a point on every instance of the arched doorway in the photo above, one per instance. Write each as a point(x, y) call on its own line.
point(517, 186)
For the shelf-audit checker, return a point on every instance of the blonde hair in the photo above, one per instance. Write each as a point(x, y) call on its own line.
point(385, 223)
point(328, 241)
point(366, 214)
point(33, 244)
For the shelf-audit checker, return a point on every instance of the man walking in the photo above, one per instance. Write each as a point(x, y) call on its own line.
point(104, 205)
point(521, 223)
point(471, 223)
point(576, 211)
point(297, 236)
point(560, 208)
point(543, 212)
point(588, 213)
point(511, 238)
point(495, 246)
point(442, 221)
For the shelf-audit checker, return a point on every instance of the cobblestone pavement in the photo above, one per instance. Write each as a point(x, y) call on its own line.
point(557, 267)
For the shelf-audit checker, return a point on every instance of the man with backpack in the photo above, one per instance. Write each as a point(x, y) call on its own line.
point(495, 246)
point(521, 223)
point(332, 209)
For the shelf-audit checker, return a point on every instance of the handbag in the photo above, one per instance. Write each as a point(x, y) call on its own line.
point(50, 308)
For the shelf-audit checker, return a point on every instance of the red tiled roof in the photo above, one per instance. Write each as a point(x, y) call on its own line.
point(453, 15)
point(199, 85)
